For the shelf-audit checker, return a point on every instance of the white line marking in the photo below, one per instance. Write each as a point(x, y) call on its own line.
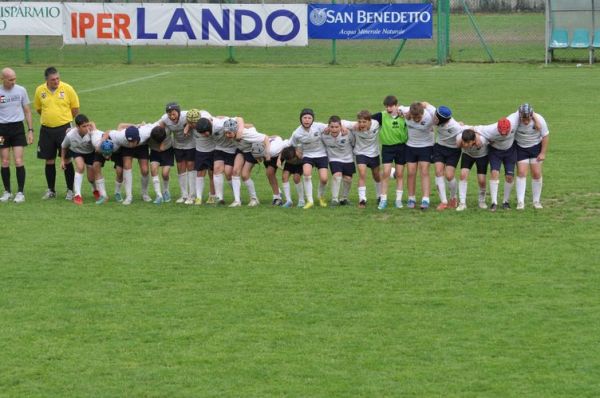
point(122, 83)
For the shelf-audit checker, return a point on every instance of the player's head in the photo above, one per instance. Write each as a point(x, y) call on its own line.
point(83, 123)
point(334, 125)
point(390, 102)
point(307, 117)
point(504, 126)
point(468, 138)
point(158, 134)
point(416, 112)
point(52, 77)
point(192, 116)
point(525, 113)
point(173, 110)
point(443, 114)
point(132, 135)
point(230, 128)
point(106, 148)
point(364, 120)
point(204, 126)
point(9, 78)
point(288, 154)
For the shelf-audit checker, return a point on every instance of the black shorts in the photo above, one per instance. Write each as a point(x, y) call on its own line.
point(414, 155)
point(185, 155)
point(466, 162)
point(99, 158)
point(225, 157)
point(88, 158)
point(371, 162)
point(204, 160)
point(346, 169)
point(393, 154)
point(139, 152)
point(507, 157)
point(528, 153)
point(319, 163)
point(292, 168)
point(271, 163)
point(50, 141)
point(14, 135)
point(163, 158)
point(249, 158)
point(117, 158)
point(448, 156)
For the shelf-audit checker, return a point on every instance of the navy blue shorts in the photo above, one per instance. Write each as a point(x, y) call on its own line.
point(346, 169)
point(371, 162)
point(271, 163)
point(14, 134)
point(164, 158)
point(319, 163)
point(204, 160)
point(249, 158)
point(225, 157)
point(507, 157)
point(414, 155)
point(528, 153)
point(446, 155)
point(88, 158)
point(393, 154)
point(139, 152)
point(99, 158)
point(293, 168)
point(185, 155)
point(117, 158)
point(467, 161)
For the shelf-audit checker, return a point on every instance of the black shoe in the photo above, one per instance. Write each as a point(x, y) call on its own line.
point(493, 207)
point(378, 200)
point(506, 206)
point(277, 202)
point(344, 202)
point(362, 204)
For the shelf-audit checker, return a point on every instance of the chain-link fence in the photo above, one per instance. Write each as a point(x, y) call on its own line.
point(475, 31)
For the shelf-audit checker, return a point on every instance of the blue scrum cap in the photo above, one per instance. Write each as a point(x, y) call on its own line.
point(132, 134)
point(443, 114)
point(107, 148)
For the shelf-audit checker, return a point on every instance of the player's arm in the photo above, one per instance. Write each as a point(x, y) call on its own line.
point(240, 128)
point(544, 148)
point(122, 126)
point(267, 143)
point(64, 147)
point(27, 113)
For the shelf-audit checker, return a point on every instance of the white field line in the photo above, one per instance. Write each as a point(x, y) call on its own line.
point(89, 90)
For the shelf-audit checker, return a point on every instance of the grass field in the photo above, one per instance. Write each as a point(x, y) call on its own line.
point(202, 301)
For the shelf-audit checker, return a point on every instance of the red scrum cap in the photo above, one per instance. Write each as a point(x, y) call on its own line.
point(504, 126)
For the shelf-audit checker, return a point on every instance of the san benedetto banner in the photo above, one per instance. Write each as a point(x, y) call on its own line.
point(370, 21)
point(186, 24)
point(31, 18)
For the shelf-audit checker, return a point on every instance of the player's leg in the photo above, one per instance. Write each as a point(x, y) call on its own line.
point(78, 179)
point(236, 180)
point(425, 183)
point(247, 178)
point(440, 183)
point(191, 173)
point(271, 173)
point(482, 166)
point(145, 178)
point(128, 179)
point(362, 186)
point(308, 188)
point(323, 180)
point(509, 172)
point(536, 183)
point(218, 178)
point(5, 154)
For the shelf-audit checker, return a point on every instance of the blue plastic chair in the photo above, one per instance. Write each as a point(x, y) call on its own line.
point(581, 38)
point(596, 42)
point(559, 39)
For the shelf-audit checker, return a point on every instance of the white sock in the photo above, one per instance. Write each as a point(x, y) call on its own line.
point(536, 190)
point(399, 195)
point(378, 188)
point(335, 187)
point(452, 187)
point(521, 188)
point(346, 189)
point(118, 186)
point(300, 190)
point(362, 193)
point(156, 186)
point(482, 193)
point(251, 190)
point(322, 188)
point(165, 185)
point(507, 191)
point(440, 182)
point(191, 183)
point(101, 186)
point(77, 183)
point(308, 188)
point(236, 184)
point(128, 182)
point(494, 190)
point(218, 181)
point(182, 178)
point(425, 199)
point(383, 197)
point(145, 181)
point(287, 191)
point(462, 191)
point(199, 187)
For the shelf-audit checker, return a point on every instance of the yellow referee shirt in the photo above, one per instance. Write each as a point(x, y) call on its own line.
point(55, 106)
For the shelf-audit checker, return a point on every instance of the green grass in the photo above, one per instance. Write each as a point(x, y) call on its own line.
point(202, 301)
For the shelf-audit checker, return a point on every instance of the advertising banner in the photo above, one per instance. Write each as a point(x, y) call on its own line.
point(34, 19)
point(370, 21)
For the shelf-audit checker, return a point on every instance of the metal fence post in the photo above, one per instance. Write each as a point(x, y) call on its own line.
point(27, 55)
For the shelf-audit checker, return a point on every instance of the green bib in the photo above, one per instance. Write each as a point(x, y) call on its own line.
point(393, 131)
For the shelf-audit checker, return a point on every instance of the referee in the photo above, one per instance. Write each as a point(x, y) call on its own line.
point(57, 103)
point(14, 108)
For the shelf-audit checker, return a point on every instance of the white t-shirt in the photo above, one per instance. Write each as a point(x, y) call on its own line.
point(249, 136)
point(310, 141)
point(447, 133)
point(277, 145)
point(204, 144)
point(421, 135)
point(77, 143)
point(221, 142)
point(527, 136)
point(497, 140)
point(476, 151)
point(180, 141)
point(11, 104)
point(366, 142)
point(340, 148)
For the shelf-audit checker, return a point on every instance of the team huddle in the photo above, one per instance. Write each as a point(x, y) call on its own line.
point(211, 152)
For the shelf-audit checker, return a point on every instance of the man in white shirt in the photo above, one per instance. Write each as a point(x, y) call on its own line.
point(474, 151)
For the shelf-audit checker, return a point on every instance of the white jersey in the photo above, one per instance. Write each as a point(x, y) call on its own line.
point(118, 136)
point(221, 142)
point(340, 148)
point(11, 104)
point(366, 143)
point(249, 136)
point(421, 135)
point(78, 143)
point(204, 144)
point(527, 136)
point(96, 137)
point(277, 144)
point(497, 140)
point(180, 140)
point(447, 133)
point(310, 141)
point(476, 151)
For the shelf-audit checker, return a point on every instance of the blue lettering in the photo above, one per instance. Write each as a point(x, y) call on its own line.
point(284, 14)
point(179, 23)
point(238, 16)
point(141, 26)
point(208, 20)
